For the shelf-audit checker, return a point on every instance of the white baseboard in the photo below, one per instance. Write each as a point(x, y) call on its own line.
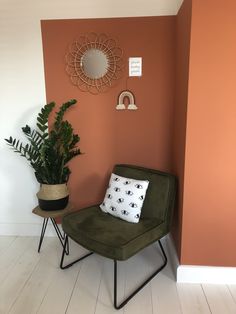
point(199, 274)
point(206, 274)
point(23, 229)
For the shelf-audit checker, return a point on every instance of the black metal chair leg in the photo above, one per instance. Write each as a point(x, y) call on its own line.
point(141, 286)
point(66, 245)
point(45, 222)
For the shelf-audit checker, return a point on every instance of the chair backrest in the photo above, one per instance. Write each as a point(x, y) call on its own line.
point(160, 196)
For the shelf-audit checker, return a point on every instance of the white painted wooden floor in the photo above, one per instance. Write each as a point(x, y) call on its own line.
point(34, 283)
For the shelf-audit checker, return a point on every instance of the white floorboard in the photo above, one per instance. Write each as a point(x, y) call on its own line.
point(37, 285)
point(34, 283)
point(5, 242)
point(20, 273)
point(86, 289)
point(11, 254)
point(232, 289)
point(219, 299)
point(192, 299)
point(60, 290)
point(165, 297)
point(105, 294)
point(137, 270)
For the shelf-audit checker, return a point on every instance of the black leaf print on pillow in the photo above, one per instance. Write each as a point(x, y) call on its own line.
point(137, 216)
point(120, 200)
point(109, 196)
point(116, 179)
point(124, 212)
point(112, 208)
point(116, 189)
point(103, 204)
point(129, 193)
point(133, 205)
point(141, 197)
point(127, 182)
point(138, 186)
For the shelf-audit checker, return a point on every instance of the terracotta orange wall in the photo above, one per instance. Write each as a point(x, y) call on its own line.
point(108, 136)
point(209, 204)
point(183, 31)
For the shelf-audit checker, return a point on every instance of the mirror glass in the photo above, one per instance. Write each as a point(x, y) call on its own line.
point(94, 63)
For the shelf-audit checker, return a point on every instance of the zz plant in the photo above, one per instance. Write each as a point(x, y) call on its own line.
point(49, 149)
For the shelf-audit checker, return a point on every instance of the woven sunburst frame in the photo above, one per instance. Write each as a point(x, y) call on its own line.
point(113, 54)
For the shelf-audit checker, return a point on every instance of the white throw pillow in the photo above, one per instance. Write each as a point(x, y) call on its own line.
point(124, 198)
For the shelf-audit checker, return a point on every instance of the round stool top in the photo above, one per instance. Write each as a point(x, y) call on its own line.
point(52, 213)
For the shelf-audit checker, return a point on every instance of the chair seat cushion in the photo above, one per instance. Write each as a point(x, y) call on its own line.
point(110, 236)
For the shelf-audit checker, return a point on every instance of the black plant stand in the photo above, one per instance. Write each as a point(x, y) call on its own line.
point(52, 215)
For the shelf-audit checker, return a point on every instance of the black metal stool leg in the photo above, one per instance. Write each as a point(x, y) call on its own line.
point(45, 222)
point(61, 236)
point(64, 236)
point(66, 245)
point(116, 306)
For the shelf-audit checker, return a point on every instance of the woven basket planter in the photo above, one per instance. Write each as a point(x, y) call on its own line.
point(53, 196)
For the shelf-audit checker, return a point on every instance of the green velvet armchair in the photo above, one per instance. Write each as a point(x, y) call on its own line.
point(117, 239)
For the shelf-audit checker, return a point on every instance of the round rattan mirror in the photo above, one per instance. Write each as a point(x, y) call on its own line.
point(94, 63)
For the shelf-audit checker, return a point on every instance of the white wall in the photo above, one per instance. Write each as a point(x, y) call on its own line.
point(22, 90)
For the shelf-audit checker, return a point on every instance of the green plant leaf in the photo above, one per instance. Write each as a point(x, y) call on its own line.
point(48, 151)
